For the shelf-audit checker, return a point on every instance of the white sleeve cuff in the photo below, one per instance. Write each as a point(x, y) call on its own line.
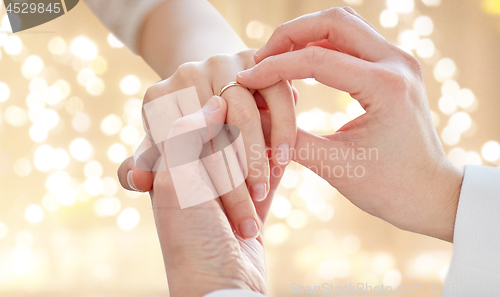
point(233, 293)
point(123, 17)
point(475, 266)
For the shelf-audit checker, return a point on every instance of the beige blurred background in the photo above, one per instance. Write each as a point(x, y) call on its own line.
point(70, 99)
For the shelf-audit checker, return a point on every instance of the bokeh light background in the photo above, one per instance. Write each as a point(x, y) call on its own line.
point(70, 99)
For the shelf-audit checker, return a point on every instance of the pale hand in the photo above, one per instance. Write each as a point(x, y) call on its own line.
point(407, 180)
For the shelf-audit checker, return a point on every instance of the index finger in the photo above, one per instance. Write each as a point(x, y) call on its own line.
point(329, 67)
point(341, 28)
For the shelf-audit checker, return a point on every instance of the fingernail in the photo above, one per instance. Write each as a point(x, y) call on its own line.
point(248, 229)
point(257, 53)
point(258, 191)
point(244, 73)
point(283, 154)
point(130, 180)
point(213, 104)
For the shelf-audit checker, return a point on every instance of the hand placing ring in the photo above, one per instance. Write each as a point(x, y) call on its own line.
point(231, 84)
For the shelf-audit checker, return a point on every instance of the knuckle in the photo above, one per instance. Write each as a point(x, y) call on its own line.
point(154, 91)
point(290, 124)
point(316, 55)
point(238, 203)
point(186, 71)
point(274, 64)
point(281, 30)
point(347, 8)
point(409, 60)
point(181, 123)
point(335, 13)
point(257, 162)
point(217, 60)
point(413, 63)
point(241, 115)
point(245, 58)
point(394, 79)
point(280, 89)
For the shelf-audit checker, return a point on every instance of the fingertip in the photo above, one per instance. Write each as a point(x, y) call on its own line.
point(139, 180)
point(243, 75)
point(142, 180)
point(213, 104)
point(259, 191)
point(282, 154)
point(215, 110)
point(257, 55)
point(123, 173)
point(134, 179)
point(248, 229)
point(223, 101)
point(130, 180)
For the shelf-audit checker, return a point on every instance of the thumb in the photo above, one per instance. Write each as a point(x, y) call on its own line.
point(317, 152)
point(310, 150)
point(133, 178)
point(215, 112)
point(138, 177)
point(188, 135)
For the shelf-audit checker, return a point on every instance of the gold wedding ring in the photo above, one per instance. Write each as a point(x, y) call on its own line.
point(231, 84)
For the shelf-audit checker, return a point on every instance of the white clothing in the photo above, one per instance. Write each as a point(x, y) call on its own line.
point(475, 267)
point(123, 18)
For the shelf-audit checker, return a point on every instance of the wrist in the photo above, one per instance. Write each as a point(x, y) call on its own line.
point(437, 209)
point(189, 275)
point(195, 284)
point(448, 194)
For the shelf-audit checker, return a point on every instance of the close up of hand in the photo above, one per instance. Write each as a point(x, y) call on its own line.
point(200, 250)
point(389, 161)
point(158, 148)
point(278, 99)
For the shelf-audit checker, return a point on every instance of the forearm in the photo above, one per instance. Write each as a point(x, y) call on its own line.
point(180, 31)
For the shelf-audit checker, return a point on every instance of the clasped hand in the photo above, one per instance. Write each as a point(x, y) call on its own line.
point(410, 184)
point(218, 244)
